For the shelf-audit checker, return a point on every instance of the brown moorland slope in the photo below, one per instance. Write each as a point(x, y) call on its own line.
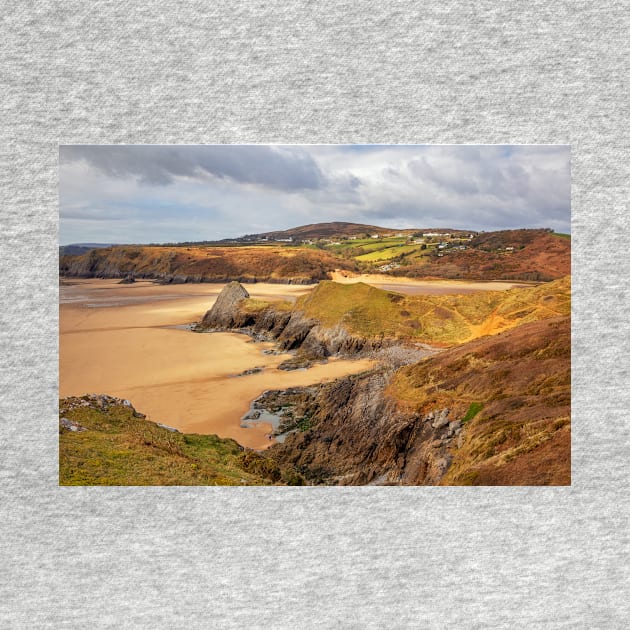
point(205, 264)
point(513, 391)
point(494, 411)
point(537, 255)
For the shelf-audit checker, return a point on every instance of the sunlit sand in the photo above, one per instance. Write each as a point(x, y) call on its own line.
point(118, 340)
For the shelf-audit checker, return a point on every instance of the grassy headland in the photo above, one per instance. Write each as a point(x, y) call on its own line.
point(435, 319)
point(112, 444)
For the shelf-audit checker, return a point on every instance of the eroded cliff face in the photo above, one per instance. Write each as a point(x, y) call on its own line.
point(204, 264)
point(350, 432)
point(495, 411)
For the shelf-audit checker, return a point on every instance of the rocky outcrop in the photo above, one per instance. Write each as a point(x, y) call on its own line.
point(128, 279)
point(291, 330)
point(350, 432)
point(224, 312)
point(494, 411)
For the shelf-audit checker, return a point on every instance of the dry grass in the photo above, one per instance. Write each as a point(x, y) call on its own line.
point(444, 320)
point(512, 393)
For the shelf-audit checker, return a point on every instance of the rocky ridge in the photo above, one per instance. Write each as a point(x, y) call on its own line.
point(290, 330)
point(349, 432)
point(495, 410)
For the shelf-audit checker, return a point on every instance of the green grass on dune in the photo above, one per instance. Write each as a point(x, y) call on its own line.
point(120, 448)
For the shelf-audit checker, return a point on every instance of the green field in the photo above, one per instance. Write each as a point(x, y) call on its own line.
point(388, 253)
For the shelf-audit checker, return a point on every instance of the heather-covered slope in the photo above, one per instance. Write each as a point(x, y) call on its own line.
point(537, 255)
point(494, 411)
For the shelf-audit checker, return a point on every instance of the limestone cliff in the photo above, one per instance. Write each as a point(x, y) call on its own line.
point(494, 411)
point(223, 311)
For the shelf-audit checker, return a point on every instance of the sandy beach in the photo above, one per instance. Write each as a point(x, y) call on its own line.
point(410, 286)
point(121, 340)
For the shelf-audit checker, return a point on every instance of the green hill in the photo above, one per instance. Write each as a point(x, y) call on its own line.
point(438, 319)
point(104, 441)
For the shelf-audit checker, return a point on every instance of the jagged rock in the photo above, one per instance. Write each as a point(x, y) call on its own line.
point(222, 314)
point(70, 425)
point(95, 401)
point(352, 433)
point(298, 362)
point(254, 370)
point(441, 419)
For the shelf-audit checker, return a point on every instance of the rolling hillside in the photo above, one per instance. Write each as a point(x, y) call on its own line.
point(310, 253)
point(445, 320)
point(105, 441)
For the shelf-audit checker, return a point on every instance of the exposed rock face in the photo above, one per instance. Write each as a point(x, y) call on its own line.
point(355, 434)
point(222, 314)
point(128, 279)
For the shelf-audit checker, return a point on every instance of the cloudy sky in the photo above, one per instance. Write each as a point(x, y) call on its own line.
point(170, 193)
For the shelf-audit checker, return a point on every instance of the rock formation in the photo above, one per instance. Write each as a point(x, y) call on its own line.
point(222, 314)
point(350, 432)
point(291, 330)
point(494, 411)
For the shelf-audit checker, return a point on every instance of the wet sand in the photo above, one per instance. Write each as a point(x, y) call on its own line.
point(410, 286)
point(119, 340)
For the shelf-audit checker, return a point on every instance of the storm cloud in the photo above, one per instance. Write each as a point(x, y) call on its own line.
point(159, 165)
point(179, 192)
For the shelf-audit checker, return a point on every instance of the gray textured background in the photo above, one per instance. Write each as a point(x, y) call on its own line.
point(171, 72)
